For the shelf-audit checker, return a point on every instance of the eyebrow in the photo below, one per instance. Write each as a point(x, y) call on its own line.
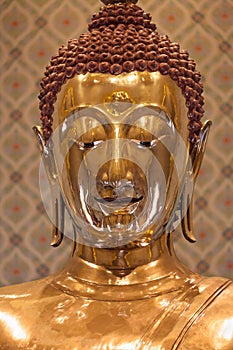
point(156, 111)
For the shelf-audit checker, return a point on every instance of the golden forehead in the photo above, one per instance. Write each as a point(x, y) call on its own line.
point(144, 88)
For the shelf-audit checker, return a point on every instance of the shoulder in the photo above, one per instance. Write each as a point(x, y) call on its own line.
point(212, 324)
point(25, 299)
point(24, 291)
point(26, 311)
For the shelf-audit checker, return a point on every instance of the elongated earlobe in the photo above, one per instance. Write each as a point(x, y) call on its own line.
point(199, 151)
point(59, 219)
point(58, 205)
point(187, 198)
point(187, 217)
point(47, 155)
point(39, 134)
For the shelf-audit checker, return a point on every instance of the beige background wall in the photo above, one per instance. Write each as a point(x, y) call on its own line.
point(31, 32)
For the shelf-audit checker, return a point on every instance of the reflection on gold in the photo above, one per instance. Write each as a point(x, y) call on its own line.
point(124, 346)
point(68, 101)
point(14, 296)
point(13, 326)
point(223, 332)
point(226, 331)
point(119, 130)
point(143, 88)
point(112, 102)
point(61, 320)
point(136, 296)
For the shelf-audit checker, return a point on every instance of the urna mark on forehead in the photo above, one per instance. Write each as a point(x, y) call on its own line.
point(121, 39)
point(139, 88)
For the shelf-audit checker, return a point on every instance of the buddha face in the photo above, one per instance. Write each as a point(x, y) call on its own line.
point(120, 150)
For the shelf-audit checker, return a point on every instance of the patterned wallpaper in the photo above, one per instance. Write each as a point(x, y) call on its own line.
point(31, 32)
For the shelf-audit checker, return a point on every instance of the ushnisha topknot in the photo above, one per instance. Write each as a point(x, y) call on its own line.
point(121, 38)
point(108, 2)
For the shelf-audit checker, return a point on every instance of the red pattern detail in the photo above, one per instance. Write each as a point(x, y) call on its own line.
point(225, 77)
point(15, 85)
point(198, 48)
point(41, 53)
point(15, 23)
point(66, 22)
point(16, 208)
point(202, 234)
point(224, 16)
point(201, 172)
point(227, 140)
point(228, 203)
point(43, 239)
point(16, 146)
point(171, 18)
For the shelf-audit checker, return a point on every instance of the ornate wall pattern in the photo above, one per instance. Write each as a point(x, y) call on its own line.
point(31, 32)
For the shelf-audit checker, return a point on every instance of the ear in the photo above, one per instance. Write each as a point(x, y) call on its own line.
point(47, 155)
point(57, 200)
point(199, 150)
point(187, 201)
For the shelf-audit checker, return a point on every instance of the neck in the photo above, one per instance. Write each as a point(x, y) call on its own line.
point(100, 273)
point(122, 261)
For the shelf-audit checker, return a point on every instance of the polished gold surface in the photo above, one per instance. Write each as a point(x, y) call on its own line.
point(97, 113)
point(147, 88)
point(134, 296)
point(161, 305)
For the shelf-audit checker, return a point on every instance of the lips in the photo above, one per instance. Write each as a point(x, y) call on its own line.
point(119, 201)
point(116, 205)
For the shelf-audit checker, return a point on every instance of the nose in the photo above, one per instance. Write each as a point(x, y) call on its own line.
point(113, 185)
point(116, 170)
point(119, 186)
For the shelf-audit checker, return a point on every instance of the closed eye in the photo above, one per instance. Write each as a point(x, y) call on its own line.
point(146, 144)
point(83, 146)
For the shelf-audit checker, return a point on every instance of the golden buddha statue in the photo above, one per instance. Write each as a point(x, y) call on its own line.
point(122, 142)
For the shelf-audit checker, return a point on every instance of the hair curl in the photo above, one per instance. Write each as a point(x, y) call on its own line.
point(122, 38)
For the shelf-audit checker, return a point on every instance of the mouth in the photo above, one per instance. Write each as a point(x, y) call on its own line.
point(116, 205)
point(119, 201)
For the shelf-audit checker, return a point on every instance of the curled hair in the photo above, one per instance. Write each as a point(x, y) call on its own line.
point(121, 38)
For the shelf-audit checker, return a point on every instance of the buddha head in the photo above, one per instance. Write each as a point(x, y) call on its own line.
point(121, 135)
